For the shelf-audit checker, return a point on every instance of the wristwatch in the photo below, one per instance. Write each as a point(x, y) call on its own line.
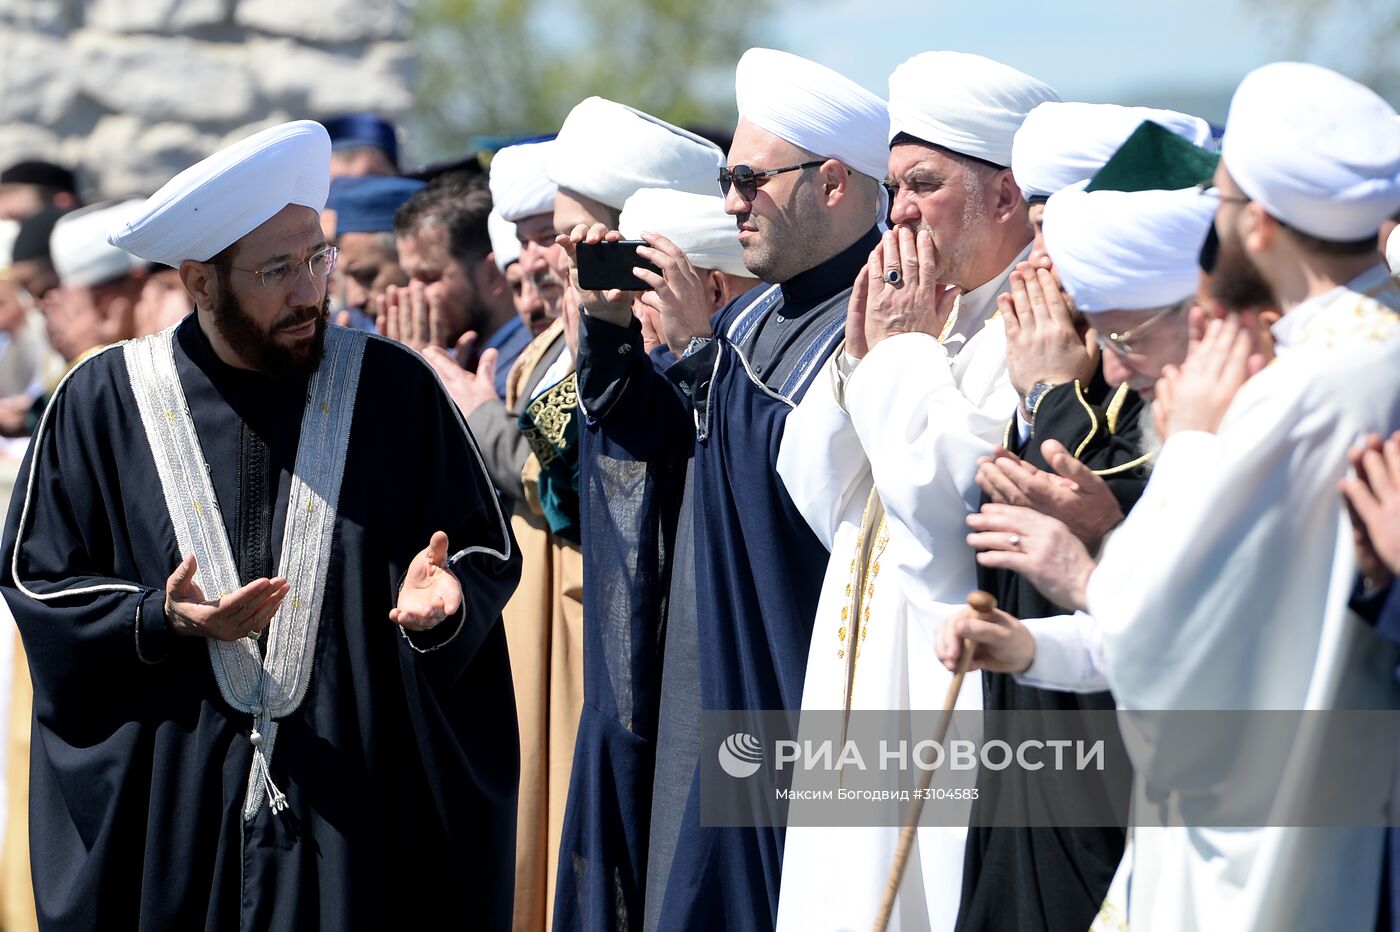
point(695, 345)
point(1037, 393)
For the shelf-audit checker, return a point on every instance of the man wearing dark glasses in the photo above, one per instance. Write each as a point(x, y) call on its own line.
point(737, 585)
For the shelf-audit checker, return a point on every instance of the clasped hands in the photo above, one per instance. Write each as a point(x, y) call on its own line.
point(429, 595)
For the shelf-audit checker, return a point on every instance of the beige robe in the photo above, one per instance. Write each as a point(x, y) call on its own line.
point(544, 631)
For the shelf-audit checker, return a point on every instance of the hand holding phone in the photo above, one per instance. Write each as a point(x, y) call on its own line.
point(604, 266)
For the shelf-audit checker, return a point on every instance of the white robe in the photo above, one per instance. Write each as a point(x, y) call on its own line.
point(920, 413)
point(1227, 588)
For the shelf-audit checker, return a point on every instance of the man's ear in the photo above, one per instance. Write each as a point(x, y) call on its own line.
point(1008, 195)
point(1263, 228)
point(836, 181)
point(489, 278)
point(201, 281)
point(718, 286)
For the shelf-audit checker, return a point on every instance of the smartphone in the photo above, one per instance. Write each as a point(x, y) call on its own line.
point(602, 266)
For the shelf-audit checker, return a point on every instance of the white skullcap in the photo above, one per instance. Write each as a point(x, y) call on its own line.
point(1392, 252)
point(505, 246)
point(1127, 251)
point(696, 223)
point(814, 108)
point(214, 203)
point(609, 152)
point(520, 185)
point(1062, 143)
point(9, 232)
point(79, 248)
point(1316, 150)
point(962, 102)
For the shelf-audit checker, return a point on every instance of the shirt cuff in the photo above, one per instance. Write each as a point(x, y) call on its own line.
point(1068, 654)
point(1023, 428)
point(605, 358)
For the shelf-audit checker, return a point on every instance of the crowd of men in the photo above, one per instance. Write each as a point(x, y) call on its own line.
point(371, 572)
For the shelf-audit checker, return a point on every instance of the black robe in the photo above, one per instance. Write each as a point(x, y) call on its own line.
point(1052, 879)
point(399, 766)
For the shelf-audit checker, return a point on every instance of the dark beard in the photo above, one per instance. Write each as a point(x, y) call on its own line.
point(256, 346)
point(1235, 282)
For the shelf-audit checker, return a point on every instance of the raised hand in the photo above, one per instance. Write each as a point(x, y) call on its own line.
point(470, 390)
point(1072, 494)
point(680, 294)
point(918, 302)
point(412, 315)
point(1373, 501)
point(430, 593)
point(614, 305)
point(1198, 394)
point(241, 613)
point(1043, 344)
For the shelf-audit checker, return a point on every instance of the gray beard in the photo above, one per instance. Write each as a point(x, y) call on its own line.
point(1149, 441)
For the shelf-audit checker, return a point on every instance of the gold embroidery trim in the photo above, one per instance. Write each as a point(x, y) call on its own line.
point(1115, 407)
point(551, 414)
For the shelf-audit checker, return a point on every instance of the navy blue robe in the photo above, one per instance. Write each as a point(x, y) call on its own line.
point(687, 521)
point(399, 766)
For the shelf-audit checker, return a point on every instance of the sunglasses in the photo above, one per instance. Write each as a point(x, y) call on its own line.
point(747, 181)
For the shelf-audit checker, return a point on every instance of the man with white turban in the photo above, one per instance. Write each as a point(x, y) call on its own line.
point(1247, 480)
point(1064, 142)
point(881, 456)
point(261, 685)
point(697, 560)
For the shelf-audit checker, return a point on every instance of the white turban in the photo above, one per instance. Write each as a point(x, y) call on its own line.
point(505, 245)
point(1127, 251)
point(696, 223)
point(1392, 252)
point(520, 185)
point(962, 102)
point(609, 152)
point(814, 108)
point(1061, 143)
point(1316, 150)
point(79, 249)
point(214, 203)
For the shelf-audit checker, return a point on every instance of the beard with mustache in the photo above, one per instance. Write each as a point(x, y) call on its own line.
point(1235, 280)
point(258, 348)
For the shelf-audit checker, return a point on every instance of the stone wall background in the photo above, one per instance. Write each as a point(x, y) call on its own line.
point(129, 92)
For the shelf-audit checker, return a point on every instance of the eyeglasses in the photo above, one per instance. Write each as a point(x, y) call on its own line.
point(320, 265)
point(747, 181)
point(1122, 343)
point(1208, 189)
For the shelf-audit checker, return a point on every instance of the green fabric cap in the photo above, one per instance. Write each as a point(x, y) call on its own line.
point(1154, 158)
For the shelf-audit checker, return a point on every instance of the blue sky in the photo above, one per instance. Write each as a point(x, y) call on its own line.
point(1186, 53)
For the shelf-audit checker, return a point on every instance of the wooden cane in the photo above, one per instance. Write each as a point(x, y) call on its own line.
point(982, 604)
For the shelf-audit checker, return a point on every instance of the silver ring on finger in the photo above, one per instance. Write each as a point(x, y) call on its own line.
point(1015, 541)
point(893, 276)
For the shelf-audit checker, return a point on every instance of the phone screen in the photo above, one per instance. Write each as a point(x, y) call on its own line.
point(602, 266)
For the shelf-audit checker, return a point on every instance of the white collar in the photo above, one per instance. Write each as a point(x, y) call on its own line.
point(977, 306)
point(1290, 326)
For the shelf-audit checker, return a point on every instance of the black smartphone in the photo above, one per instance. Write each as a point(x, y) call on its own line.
point(602, 266)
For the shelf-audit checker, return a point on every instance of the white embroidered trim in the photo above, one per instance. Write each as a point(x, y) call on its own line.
point(36, 444)
point(273, 686)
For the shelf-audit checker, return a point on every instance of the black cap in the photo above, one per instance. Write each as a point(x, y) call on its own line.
point(32, 241)
point(46, 174)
